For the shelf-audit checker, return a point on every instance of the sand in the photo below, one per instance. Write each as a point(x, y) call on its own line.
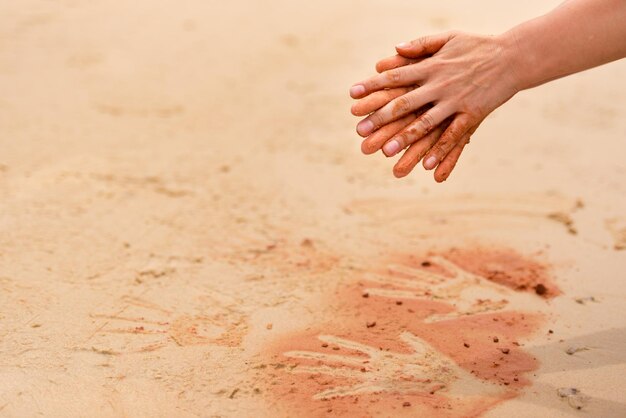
point(188, 227)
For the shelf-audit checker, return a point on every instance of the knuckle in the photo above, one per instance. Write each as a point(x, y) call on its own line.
point(437, 150)
point(445, 144)
point(389, 95)
point(427, 122)
point(421, 43)
point(402, 105)
point(456, 133)
point(373, 84)
point(448, 147)
point(430, 67)
point(394, 76)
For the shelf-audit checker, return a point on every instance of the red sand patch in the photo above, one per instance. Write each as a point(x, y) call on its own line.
point(506, 267)
point(484, 345)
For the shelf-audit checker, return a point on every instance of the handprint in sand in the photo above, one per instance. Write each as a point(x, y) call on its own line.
point(422, 370)
point(468, 293)
point(436, 336)
point(140, 325)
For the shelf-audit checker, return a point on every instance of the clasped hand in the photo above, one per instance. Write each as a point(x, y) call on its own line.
point(431, 97)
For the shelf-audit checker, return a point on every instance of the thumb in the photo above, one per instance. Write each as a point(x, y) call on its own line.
point(427, 45)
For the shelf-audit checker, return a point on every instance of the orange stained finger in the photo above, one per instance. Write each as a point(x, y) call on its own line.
point(425, 123)
point(415, 152)
point(377, 100)
point(374, 142)
point(445, 167)
point(395, 109)
point(427, 45)
point(396, 61)
point(461, 124)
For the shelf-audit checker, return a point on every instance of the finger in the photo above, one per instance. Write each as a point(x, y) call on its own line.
point(446, 166)
point(418, 129)
point(455, 132)
point(395, 109)
point(420, 347)
point(396, 61)
point(416, 152)
point(397, 77)
point(349, 344)
point(349, 373)
point(426, 45)
point(329, 358)
point(376, 100)
point(375, 141)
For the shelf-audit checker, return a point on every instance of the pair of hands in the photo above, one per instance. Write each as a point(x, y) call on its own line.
point(431, 97)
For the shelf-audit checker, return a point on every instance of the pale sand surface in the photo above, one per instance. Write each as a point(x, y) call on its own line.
point(181, 189)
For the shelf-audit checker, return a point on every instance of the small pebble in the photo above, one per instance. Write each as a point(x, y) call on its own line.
point(583, 301)
point(573, 350)
point(540, 289)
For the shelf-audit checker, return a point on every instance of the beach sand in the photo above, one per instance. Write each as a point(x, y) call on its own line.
point(188, 227)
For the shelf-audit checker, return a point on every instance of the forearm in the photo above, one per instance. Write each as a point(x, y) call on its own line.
point(577, 35)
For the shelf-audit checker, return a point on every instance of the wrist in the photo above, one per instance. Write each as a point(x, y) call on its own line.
point(517, 60)
point(525, 46)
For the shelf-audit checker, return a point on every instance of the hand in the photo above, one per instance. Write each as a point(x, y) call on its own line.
point(462, 77)
point(420, 370)
point(460, 289)
point(375, 141)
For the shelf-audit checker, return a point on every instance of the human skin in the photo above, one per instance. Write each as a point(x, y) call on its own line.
point(434, 94)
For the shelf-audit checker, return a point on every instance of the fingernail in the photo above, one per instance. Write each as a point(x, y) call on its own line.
point(403, 45)
point(391, 148)
point(357, 90)
point(365, 127)
point(430, 163)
